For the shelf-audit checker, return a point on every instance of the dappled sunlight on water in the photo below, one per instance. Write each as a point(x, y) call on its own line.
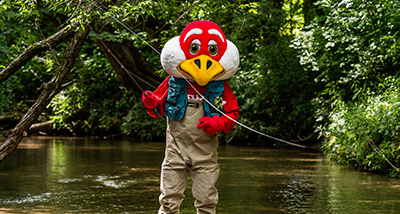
point(54, 175)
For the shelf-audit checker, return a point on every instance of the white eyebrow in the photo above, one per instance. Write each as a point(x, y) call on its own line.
point(216, 32)
point(193, 31)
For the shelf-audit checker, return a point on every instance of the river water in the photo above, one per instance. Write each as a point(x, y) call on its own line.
point(51, 175)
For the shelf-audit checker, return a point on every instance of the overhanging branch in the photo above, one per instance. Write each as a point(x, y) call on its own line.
point(50, 89)
point(35, 49)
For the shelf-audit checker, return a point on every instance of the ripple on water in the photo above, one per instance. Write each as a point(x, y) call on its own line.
point(28, 199)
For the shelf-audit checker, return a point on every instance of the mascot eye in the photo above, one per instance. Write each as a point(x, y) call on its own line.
point(213, 49)
point(194, 49)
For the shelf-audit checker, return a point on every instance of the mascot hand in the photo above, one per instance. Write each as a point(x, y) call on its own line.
point(211, 125)
point(149, 100)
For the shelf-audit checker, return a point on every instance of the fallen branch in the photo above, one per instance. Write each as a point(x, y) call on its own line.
point(372, 144)
point(41, 127)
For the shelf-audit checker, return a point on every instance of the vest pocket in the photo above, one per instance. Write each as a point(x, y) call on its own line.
point(173, 93)
point(176, 98)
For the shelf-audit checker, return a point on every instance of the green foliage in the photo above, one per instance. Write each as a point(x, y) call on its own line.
point(13, 40)
point(6, 96)
point(138, 124)
point(22, 23)
point(357, 127)
point(91, 105)
point(273, 91)
point(353, 51)
point(350, 46)
point(97, 105)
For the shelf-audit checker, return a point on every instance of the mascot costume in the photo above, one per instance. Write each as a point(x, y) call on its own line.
point(199, 61)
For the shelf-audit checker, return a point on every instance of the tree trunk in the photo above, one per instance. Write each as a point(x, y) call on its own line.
point(50, 89)
point(36, 48)
point(127, 55)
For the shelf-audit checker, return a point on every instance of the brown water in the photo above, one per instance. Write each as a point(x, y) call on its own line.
point(47, 175)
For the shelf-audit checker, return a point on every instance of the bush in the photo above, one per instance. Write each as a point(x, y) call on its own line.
point(138, 124)
point(366, 132)
point(352, 48)
point(349, 47)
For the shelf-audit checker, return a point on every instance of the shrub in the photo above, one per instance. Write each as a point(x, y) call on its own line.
point(366, 132)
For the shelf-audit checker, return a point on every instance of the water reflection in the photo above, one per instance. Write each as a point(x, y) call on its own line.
point(49, 175)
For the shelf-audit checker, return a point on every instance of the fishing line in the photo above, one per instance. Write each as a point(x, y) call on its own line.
point(237, 122)
point(104, 11)
point(126, 70)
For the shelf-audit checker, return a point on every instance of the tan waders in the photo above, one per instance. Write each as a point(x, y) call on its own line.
point(189, 150)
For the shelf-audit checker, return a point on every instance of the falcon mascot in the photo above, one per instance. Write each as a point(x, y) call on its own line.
point(199, 62)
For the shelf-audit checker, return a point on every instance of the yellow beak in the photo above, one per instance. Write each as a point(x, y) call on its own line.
point(201, 69)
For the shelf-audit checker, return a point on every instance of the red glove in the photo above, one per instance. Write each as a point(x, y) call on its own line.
point(211, 125)
point(149, 100)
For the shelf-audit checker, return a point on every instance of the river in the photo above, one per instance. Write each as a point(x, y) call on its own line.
point(71, 175)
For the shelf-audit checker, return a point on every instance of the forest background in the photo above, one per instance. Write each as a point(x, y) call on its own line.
point(311, 71)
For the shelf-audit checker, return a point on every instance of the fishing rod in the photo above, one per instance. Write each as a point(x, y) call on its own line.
point(237, 122)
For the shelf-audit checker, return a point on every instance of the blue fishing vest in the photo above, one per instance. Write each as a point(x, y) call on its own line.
point(177, 100)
